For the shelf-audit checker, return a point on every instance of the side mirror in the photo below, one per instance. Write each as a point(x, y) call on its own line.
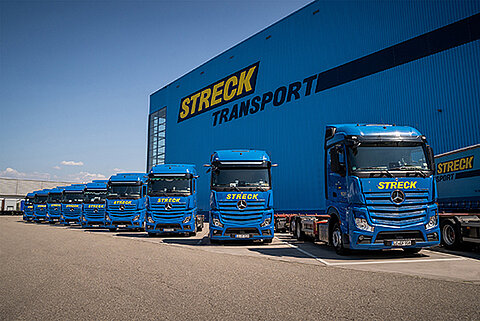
point(274, 165)
point(207, 165)
point(196, 176)
point(431, 157)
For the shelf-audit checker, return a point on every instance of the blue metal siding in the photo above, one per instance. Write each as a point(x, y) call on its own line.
point(305, 44)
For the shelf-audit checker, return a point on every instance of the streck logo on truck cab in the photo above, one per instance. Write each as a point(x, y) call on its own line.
point(397, 185)
point(168, 199)
point(122, 202)
point(242, 196)
point(228, 89)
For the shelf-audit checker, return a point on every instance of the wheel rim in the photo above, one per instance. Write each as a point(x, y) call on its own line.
point(448, 234)
point(336, 238)
point(297, 228)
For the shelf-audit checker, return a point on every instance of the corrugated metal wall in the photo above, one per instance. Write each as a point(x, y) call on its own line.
point(436, 93)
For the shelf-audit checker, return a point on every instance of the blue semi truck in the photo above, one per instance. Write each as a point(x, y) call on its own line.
point(379, 189)
point(28, 207)
point(54, 204)
point(72, 204)
point(40, 205)
point(458, 184)
point(172, 200)
point(241, 197)
point(126, 201)
point(95, 194)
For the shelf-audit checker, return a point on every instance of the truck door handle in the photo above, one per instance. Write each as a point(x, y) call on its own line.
point(334, 194)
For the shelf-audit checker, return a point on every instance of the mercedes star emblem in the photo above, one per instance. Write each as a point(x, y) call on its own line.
point(168, 206)
point(95, 210)
point(242, 204)
point(121, 207)
point(397, 196)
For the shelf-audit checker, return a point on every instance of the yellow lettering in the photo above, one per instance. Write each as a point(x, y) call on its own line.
point(185, 108)
point(217, 91)
point(407, 185)
point(255, 196)
point(229, 196)
point(381, 185)
point(204, 99)
point(413, 185)
point(226, 95)
point(450, 167)
point(439, 169)
point(469, 162)
point(462, 164)
point(249, 196)
point(244, 81)
point(455, 165)
point(194, 103)
point(400, 185)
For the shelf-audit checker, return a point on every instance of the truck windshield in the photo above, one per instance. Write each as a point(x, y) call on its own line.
point(388, 157)
point(169, 185)
point(241, 178)
point(54, 198)
point(40, 199)
point(95, 196)
point(73, 197)
point(124, 191)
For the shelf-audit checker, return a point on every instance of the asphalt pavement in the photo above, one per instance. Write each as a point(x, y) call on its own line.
point(53, 272)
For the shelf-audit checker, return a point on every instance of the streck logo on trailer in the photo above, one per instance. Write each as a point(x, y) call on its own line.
point(228, 89)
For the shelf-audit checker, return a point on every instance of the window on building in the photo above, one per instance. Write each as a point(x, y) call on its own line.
point(156, 138)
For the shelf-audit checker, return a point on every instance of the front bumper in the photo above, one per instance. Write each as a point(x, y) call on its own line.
point(174, 225)
point(127, 222)
point(245, 231)
point(71, 220)
point(385, 236)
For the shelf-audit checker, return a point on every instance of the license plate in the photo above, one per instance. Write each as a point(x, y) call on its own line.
point(168, 229)
point(123, 225)
point(401, 242)
point(95, 225)
point(242, 236)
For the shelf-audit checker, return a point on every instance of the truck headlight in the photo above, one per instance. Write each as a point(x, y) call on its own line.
point(267, 221)
point(217, 222)
point(432, 222)
point(362, 224)
point(187, 219)
point(136, 217)
point(150, 220)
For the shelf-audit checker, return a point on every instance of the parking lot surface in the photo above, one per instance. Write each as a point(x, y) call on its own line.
point(56, 272)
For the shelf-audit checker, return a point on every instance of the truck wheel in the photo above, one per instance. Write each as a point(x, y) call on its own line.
point(450, 235)
point(151, 234)
point(214, 241)
point(412, 250)
point(267, 241)
point(114, 229)
point(337, 240)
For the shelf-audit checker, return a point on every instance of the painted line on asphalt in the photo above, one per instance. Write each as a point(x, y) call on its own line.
point(306, 253)
point(398, 261)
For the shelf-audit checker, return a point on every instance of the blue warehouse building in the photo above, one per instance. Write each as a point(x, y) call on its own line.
point(413, 63)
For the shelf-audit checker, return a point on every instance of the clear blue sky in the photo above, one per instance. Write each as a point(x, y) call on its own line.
point(75, 76)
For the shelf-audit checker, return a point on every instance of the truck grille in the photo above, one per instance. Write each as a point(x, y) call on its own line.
point(90, 214)
point(383, 211)
point(176, 213)
point(252, 214)
point(115, 212)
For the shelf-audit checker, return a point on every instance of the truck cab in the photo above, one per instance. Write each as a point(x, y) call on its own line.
point(28, 207)
point(54, 204)
point(241, 197)
point(126, 201)
point(172, 200)
point(95, 195)
point(379, 188)
point(40, 205)
point(72, 204)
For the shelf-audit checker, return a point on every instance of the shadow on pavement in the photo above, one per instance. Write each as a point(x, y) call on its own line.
point(466, 250)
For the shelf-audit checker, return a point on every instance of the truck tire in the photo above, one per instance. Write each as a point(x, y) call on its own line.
point(451, 236)
point(267, 241)
point(411, 250)
point(213, 241)
point(114, 229)
point(337, 240)
point(152, 234)
point(200, 227)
